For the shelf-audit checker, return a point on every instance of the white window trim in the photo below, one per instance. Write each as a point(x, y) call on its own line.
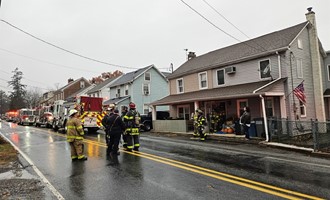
point(177, 86)
point(270, 68)
point(300, 44)
point(126, 89)
point(200, 81)
point(216, 77)
point(299, 60)
point(144, 108)
point(183, 106)
point(303, 105)
point(148, 89)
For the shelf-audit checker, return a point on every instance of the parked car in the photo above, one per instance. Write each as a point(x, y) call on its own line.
point(46, 119)
point(146, 120)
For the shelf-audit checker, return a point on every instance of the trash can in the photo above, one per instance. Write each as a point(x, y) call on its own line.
point(238, 128)
point(252, 129)
point(260, 127)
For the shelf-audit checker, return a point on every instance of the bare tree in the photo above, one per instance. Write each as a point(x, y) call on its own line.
point(33, 97)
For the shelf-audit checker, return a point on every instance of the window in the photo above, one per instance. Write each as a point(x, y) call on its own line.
point(147, 76)
point(126, 90)
point(241, 103)
point(118, 92)
point(269, 107)
point(328, 72)
point(300, 44)
point(179, 83)
point(264, 68)
point(82, 84)
point(146, 89)
point(202, 80)
point(302, 109)
point(221, 77)
point(299, 68)
point(145, 109)
point(184, 112)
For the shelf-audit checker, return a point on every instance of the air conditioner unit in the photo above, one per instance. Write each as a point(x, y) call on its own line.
point(230, 70)
point(146, 92)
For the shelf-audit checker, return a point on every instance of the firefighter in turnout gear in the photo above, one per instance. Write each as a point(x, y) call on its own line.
point(75, 135)
point(109, 113)
point(195, 124)
point(213, 120)
point(201, 125)
point(132, 123)
point(123, 113)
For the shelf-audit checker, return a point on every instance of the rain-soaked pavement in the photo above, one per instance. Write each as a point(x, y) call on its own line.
point(172, 168)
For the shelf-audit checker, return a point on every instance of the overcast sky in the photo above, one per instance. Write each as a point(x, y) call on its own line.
point(132, 34)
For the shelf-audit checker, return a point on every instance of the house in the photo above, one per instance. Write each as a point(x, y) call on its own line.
point(142, 87)
point(260, 73)
point(102, 89)
point(72, 87)
point(82, 92)
point(47, 99)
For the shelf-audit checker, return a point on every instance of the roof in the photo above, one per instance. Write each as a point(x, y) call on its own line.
point(81, 91)
point(115, 100)
point(129, 76)
point(236, 91)
point(257, 47)
point(101, 85)
point(72, 82)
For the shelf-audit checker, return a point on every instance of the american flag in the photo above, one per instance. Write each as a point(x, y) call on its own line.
point(299, 92)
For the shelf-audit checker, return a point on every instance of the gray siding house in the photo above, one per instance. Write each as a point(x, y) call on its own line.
point(260, 73)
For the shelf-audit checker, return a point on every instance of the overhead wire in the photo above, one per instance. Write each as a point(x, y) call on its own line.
point(63, 49)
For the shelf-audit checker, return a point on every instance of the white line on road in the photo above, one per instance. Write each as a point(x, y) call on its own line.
point(42, 177)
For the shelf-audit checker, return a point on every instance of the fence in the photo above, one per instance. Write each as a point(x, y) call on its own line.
point(311, 134)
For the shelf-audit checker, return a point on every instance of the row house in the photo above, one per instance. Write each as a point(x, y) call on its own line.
point(260, 73)
point(72, 87)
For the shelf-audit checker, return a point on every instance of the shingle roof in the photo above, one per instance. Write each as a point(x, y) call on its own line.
point(101, 85)
point(242, 90)
point(115, 100)
point(129, 76)
point(262, 45)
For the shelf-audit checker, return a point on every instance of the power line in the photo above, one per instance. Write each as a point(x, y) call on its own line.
point(68, 51)
point(225, 18)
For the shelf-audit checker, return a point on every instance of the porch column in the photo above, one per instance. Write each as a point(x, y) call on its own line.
point(283, 107)
point(154, 113)
point(196, 105)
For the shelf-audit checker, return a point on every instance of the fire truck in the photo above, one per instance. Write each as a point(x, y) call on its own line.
point(11, 116)
point(89, 108)
point(26, 116)
point(44, 116)
point(91, 112)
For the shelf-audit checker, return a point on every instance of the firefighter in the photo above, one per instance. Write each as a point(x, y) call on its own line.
point(116, 129)
point(108, 114)
point(124, 111)
point(195, 124)
point(214, 120)
point(75, 137)
point(132, 123)
point(201, 125)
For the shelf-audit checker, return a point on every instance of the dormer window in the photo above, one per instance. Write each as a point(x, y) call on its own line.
point(82, 84)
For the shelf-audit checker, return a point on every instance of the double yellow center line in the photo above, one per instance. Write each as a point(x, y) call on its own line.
point(269, 189)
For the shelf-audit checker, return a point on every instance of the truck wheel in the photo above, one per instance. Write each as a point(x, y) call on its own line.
point(147, 127)
point(55, 127)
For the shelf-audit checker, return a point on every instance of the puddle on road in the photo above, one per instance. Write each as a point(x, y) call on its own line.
point(16, 171)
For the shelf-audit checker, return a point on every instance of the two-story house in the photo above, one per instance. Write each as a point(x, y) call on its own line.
point(102, 89)
point(142, 87)
point(72, 87)
point(260, 73)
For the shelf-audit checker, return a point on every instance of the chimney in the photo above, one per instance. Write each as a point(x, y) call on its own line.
point(70, 80)
point(191, 55)
point(316, 63)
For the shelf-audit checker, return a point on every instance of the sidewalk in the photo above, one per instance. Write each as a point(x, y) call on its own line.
point(233, 138)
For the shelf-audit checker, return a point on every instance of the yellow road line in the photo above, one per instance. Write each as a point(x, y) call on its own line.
point(215, 174)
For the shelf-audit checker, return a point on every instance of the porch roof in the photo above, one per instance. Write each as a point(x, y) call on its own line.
point(115, 100)
point(236, 91)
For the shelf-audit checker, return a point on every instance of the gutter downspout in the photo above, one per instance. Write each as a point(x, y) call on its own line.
point(262, 98)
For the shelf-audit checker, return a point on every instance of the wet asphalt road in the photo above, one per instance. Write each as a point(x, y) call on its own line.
point(172, 168)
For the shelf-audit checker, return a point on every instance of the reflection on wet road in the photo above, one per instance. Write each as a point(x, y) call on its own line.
point(171, 169)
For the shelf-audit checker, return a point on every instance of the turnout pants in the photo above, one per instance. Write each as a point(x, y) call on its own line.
point(77, 149)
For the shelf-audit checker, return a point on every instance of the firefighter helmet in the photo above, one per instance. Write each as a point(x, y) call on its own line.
point(131, 105)
point(72, 112)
